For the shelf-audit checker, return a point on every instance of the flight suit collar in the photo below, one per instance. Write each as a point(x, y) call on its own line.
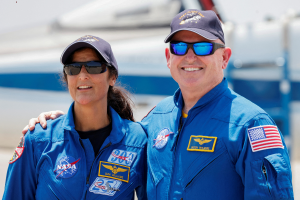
point(118, 129)
point(216, 91)
point(68, 123)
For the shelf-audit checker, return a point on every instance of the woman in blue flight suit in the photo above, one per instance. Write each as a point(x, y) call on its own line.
point(96, 151)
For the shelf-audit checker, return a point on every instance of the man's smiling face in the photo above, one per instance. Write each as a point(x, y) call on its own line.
point(196, 72)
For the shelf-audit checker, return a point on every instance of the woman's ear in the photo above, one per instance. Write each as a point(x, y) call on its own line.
point(112, 80)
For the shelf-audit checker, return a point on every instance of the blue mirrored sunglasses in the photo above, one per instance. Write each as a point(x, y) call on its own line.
point(199, 48)
point(92, 67)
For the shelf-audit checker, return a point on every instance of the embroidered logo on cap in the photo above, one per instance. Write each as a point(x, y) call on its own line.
point(114, 171)
point(202, 143)
point(66, 167)
point(264, 137)
point(18, 151)
point(122, 157)
point(162, 138)
point(105, 186)
point(87, 38)
point(190, 16)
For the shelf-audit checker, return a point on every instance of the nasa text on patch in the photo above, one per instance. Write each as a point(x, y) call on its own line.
point(114, 171)
point(66, 167)
point(264, 137)
point(122, 157)
point(105, 186)
point(202, 143)
point(162, 138)
point(18, 151)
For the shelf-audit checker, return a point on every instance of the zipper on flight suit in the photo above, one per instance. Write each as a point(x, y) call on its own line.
point(264, 170)
point(176, 140)
point(174, 151)
point(88, 177)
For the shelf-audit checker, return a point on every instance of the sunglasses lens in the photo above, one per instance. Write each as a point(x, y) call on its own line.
point(72, 69)
point(203, 48)
point(179, 48)
point(95, 67)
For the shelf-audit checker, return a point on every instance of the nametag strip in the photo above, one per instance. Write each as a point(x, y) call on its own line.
point(114, 171)
point(202, 143)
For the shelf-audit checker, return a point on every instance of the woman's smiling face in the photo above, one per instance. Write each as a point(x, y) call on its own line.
point(88, 88)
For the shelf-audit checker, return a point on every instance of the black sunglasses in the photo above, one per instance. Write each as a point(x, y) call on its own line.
point(92, 67)
point(199, 48)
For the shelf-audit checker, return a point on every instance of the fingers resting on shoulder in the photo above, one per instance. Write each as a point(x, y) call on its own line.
point(42, 119)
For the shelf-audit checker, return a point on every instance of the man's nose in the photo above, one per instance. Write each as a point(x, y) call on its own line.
point(190, 55)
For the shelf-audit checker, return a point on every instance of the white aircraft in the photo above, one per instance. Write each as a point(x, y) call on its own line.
point(265, 66)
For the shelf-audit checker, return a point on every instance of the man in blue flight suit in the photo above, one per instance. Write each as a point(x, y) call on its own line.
point(206, 141)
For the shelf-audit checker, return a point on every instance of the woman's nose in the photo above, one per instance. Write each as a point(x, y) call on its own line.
point(83, 73)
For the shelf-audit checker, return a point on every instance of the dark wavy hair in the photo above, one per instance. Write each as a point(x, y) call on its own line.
point(118, 97)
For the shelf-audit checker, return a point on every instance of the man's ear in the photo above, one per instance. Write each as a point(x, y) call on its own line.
point(226, 56)
point(167, 53)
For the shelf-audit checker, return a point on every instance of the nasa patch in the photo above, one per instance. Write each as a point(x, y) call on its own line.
point(18, 151)
point(162, 138)
point(122, 157)
point(105, 186)
point(66, 167)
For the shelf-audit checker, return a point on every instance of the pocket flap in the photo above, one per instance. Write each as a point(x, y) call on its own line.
point(199, 164)
point(281, 169)
point(156, 173)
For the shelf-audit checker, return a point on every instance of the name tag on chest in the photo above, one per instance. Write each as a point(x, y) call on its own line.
point(202, 143)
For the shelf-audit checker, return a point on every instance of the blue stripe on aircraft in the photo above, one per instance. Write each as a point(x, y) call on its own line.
point(264, 93)
point(51, 81)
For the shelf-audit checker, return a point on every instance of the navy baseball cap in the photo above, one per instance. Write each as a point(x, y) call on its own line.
point(204, 23)
point(93, 42)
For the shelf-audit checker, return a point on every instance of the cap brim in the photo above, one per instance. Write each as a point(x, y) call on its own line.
point(200, 32)
point(73, 47)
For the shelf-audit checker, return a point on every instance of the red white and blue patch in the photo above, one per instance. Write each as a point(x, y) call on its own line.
point(66, 167)
point(264, 137)
point(122, 157)
point(162, 138)
point(105, 186)
point(18, 151)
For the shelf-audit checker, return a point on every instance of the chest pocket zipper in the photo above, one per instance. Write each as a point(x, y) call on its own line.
point(264, 171)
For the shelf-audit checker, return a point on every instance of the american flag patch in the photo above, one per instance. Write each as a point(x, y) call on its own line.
point(264, 137)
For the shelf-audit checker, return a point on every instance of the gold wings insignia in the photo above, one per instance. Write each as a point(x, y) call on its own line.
point(108, 167)
point(121, 170)
point(202, 141)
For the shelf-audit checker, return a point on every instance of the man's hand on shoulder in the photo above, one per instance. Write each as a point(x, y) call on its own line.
point(42, 119)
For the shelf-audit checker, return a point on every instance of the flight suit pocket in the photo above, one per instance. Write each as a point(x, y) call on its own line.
point(200, 164)
point(154, 176)
point(47, 181)
point(203, 177)
point(272, 177)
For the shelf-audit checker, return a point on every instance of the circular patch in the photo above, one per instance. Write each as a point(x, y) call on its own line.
point(18, 151)
point(162, 138)
point(66, 167)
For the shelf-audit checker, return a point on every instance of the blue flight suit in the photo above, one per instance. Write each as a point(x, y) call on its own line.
point(57, 164)
point(209, 154)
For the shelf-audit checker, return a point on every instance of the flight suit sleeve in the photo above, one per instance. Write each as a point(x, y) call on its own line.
point(21, 178)
point(264, 163)
point(141, 191)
